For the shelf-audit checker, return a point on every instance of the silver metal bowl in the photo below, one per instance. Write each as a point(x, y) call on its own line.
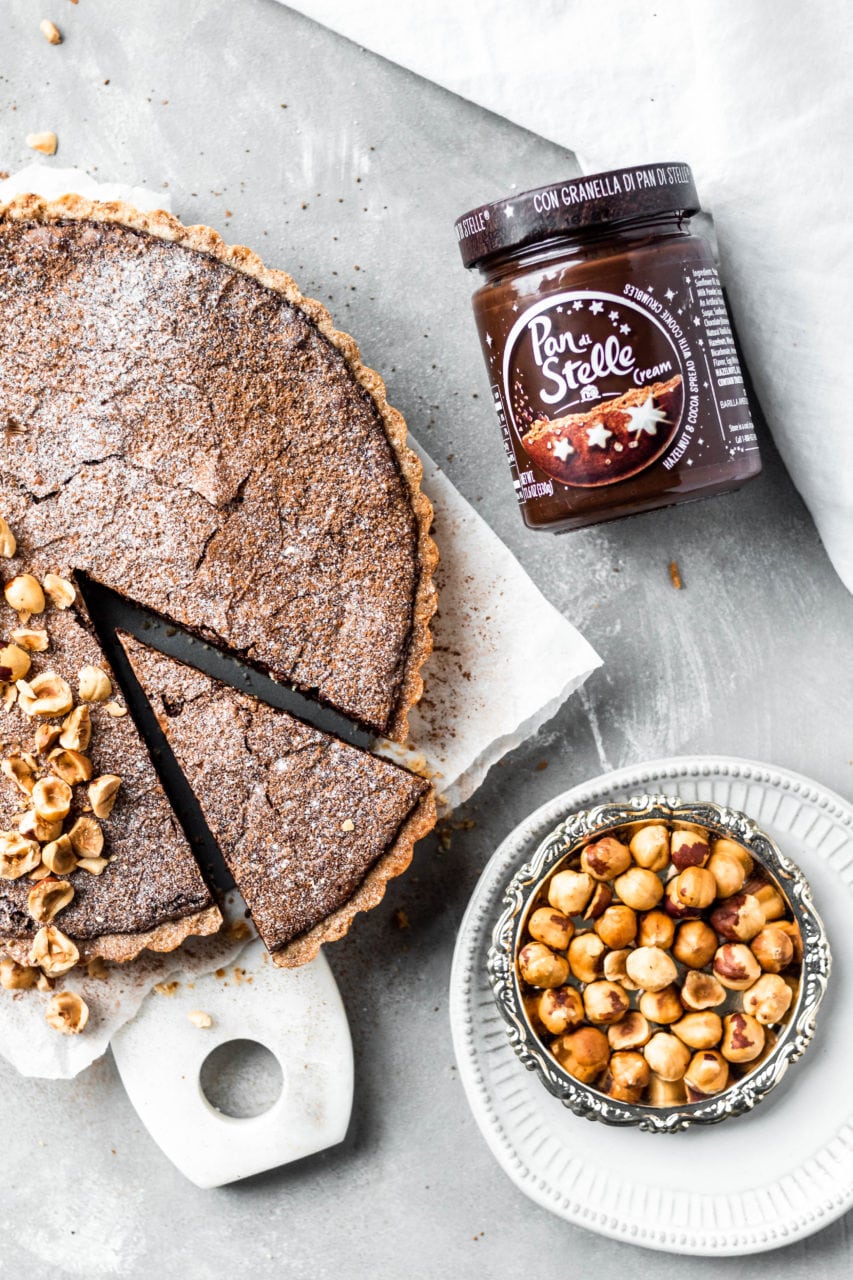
point(793, 1036)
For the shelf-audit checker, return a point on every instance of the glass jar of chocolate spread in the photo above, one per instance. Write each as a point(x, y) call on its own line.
point(611, 359)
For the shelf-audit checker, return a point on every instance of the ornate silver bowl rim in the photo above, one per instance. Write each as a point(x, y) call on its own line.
point(796, 1034)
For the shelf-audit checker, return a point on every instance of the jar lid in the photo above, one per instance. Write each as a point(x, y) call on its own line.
point(577, 205)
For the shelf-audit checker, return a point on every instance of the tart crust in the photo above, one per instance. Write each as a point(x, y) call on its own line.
point(203, 240)
point(121, 947)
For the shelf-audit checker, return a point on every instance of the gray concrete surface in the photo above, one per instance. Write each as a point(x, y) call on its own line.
point(353, 186)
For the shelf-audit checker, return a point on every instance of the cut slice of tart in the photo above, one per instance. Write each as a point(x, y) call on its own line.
point(133, 879)
point(188, 429)
point(311, 828)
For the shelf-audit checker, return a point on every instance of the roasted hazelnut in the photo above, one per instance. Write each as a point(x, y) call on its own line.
point(47, 694)
point(59, 857)
point(630, 1032)
point(731, 849)
point(586, 957)
point(551, 927)
point(37, 828)
point(94, 685)
point(639, 888)
point(87, 837)
point(560, 1009)
point(739, 918)
point(59, 591)
point(792, 929)
point(695, 944)
point(701, 990)
point(629, 1075)
point(743, 1037)
point(20, 772)
point(689, 849)
point(18, 855)
point(728, 873)
point(651, 968)
point(530, 1000)
point(583, 1053)
point(602, 896)
point(71, 766)
point(768, 1000)
point(16, 977)
point(47, 898)
point(34, 639)
point(538, 964)
point(24, 594)
point(736, 967)
point(51, 799)
point(665, 1093)
point(606, 858)
point(772, 948)
point(770, 900)
point(695, 887)
point(14, 663)
point(699, 1030)
point(617, 926)
point(76, 731)
point(53, 952)
point(94, 866)
point(707, 1074)
point(667, 1056)
point(605, 1002)
point(614, 968)
point(650, 847)
point(8, 542)
point(674, 906)
point(570, 891)
point(103, 793)
point(46, 737)
point(656, 929)
point(67, 1012)
point(662, 1007)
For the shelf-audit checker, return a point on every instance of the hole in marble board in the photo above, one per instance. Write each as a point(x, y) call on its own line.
point(241, 1078)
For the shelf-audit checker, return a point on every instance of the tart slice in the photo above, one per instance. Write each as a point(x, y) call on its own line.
point(133, 882)
point(311, 828)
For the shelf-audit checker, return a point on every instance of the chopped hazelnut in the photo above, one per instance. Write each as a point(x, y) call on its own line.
point(743, 1038)
point(47, 898)
point(699, 1030)
point(67, 1012)
point(8, 544)
point(94, 866)
point(663, 1007)
point(606, 858)
point(71, 766)
point(639, 888)
point(200, 1019)
point(24, 595)
point(617, 926)
point(650, 847)
point(695, 944)
point(656, 929)
point(94, 685)
point(701, 990)
point(51, 799)
point(551, 927)
point(586, 956)
point(695, 887)
point(630, 1032)
point(20, 772)
point(47, 694)
point(50, 31)
point(346, 825)
point(605, 1002)
point(738, 918)
point(76, 731)
point(728, 873)
point(629, 1075)
point(59, 591)
point(768, 1000)
point(560, 1009)
point(18, 855)
point(651, 968)
point(16, 977)
point(58, 856)
point(736, 967)
point(667, 1056)
point(583, 1053)
point(86, 836)
point(541, 967)
point(570, 891)
point(772, 948)
point(15, 662)
point(102, 794)
point(46, 737)
point(116, 710)
point(53, 952)
point(689, 849)
point(45, 142)
point(30, 824)
point(708, 1073)
point(36, 641)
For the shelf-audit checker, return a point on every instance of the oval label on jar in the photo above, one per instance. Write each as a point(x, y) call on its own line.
point(594, 386)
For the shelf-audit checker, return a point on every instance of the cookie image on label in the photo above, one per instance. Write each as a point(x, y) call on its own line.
point(613, 440)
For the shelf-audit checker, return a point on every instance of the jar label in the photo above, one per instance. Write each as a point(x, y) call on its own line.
point(600, 384)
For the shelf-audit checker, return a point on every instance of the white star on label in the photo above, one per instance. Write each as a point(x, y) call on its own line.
point(509, 211)
point(596, 308)
point(598, 435)
point(562, 449)
point(669, 295)
point(645, 417)
point(650, 288)
point(696, 320)
point(489, 339)
point(613, 315)
point(624, 328)
point(577, 305)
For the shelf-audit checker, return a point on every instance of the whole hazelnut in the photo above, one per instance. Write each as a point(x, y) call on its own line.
point(551, 927)
point(629, 1075)
point(583, 1053)
point(689, 849)
point(667, 1056)
point(15, 662)
point(606, 858)
point(695, 944)
point(570, 891)
point(792, 929)
point(738, 918)
point(605, 1002)
point(541, 967)
point(614, 968)
point(665, 1093)
point(708, 1073)
point(731, 849)
point(617, 926)
point(673, 906)
point(639, 888)
point(743, 1037)
point(602, 896)
point(663, 1007)
point(695, 887)
point(630, 1032)
point(728, 873)
point(656, 929)
point(650, 847)
point(699, 1030)
point(772, 948)
point(586, 957)
point(560, 1009)
point(651, 968)
point(768, 1000)
point(769, 899)
point(736, 967)
point(701, 990)
point(24, 594)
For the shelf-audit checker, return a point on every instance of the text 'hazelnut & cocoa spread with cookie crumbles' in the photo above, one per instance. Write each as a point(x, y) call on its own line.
point(611, 358)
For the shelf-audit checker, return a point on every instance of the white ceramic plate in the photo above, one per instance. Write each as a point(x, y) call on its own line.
point(749, 1184)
